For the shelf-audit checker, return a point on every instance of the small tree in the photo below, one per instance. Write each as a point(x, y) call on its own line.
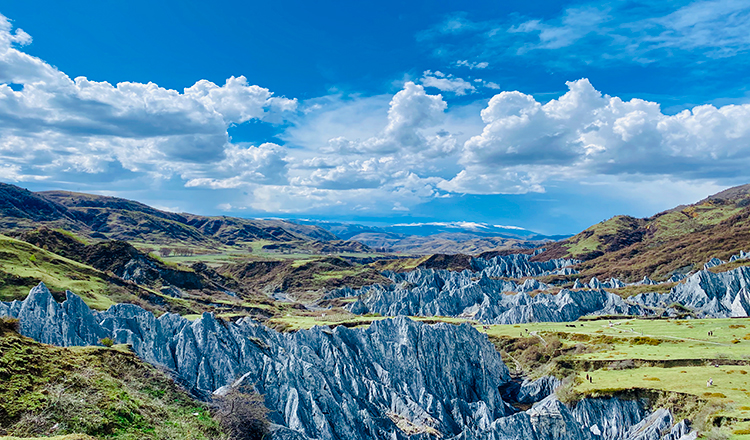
point(107, 342)
point(242, 414)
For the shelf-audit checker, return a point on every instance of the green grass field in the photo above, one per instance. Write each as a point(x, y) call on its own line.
point(675, 356)
point(23, 265)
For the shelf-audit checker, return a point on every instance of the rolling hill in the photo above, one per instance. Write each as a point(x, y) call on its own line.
point(676, 241)
point(101, 217)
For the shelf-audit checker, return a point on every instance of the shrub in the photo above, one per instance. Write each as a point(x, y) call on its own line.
point(645, 340)
point(107, 342)
point(566, 392)
point(242, 414)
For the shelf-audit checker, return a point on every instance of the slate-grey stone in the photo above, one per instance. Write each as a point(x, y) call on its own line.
point(708, 294)
point(341, 383)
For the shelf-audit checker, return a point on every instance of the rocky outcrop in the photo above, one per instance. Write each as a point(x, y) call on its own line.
point(713, 262)
point(527, 391)
point(434, 292)
point(589, 419)
point(708, 294)
point(613, 283)
point(322, 383)
point(444, 293)
point(396, 379)
point(520, 266)
point(741, 256)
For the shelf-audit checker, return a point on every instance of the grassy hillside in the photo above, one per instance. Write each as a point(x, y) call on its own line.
point(669, 361)
point(102, 217)
point(302, 279)
point(674, 241)
point(96, 391)
point(23, 265)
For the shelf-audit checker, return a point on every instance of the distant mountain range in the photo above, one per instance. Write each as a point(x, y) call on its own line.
point(101, 217)
point(436, 237)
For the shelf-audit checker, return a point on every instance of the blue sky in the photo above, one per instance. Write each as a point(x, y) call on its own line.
point(546, 115)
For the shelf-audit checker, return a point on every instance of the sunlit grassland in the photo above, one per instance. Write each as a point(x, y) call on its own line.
point(676, 356)
point(23, 265)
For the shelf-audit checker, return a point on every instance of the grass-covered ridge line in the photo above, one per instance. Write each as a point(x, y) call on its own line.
point(674, 241)
point(23, 265)
point(97, 391)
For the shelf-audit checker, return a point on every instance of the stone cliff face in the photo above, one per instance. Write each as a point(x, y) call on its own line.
point(340, 383)
point(520, 266)
point(396, 379)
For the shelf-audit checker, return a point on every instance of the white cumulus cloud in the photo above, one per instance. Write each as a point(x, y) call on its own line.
point(446, 83)
point(55, 127)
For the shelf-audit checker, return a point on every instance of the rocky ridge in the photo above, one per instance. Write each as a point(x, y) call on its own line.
point(707, 294)
point(491, 301)
point(396, 379)
point(442, 293)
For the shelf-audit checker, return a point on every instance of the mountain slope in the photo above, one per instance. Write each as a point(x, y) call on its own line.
point(104, 392)
point(23, 265)
point(22, 208)
point(102, 217)
point(675, 241)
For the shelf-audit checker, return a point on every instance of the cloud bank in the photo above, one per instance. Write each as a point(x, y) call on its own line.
point(374, 154)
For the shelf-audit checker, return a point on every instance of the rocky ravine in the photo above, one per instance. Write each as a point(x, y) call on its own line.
point(396, 379)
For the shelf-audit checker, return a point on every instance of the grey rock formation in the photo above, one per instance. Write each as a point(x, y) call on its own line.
point(528, 392)
point(677, 277)
point(322, 383)
point(435, 293)
point(590, 419)
point(613, 283)
point(741, 256)
point(708, 294)
point(713, 262)
point(534, 391)
point(520, 266)
point(396, 379)
point(444, 293)
point(646, 281)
